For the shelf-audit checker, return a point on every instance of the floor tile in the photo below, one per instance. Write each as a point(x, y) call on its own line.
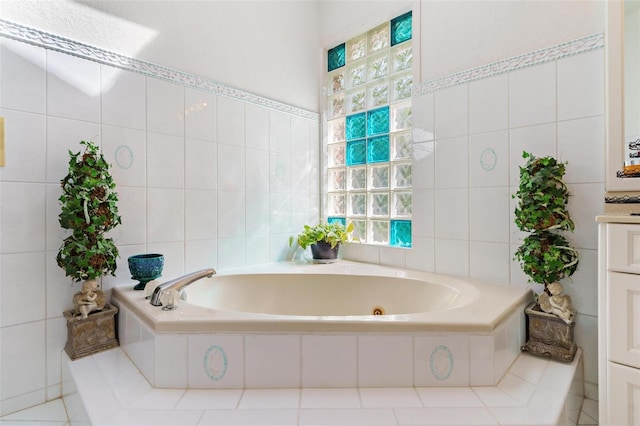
point(167, 398)
point(389, 397)
point(494, 397)
point(444, 416)
point(449, 397)
point(330, 398)
point(590, 408)
point(53, 411)
point(347, 417)
point(529, 367)
point(250, 417)
point(269, 398)
point(209, 399)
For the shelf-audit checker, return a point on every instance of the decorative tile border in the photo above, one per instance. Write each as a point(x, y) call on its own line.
point(537, 57)
point(102, 56)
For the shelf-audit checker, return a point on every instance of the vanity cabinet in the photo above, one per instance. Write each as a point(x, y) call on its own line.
point(619, 319)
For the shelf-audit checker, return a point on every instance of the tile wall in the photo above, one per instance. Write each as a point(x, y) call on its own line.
point(204, 179)
point(468, 141)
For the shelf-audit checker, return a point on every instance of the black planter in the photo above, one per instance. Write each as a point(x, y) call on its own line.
point(324, 251)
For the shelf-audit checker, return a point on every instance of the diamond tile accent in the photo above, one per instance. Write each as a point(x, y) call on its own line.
point(401, 28)
point(378, 121)
point(356, 126)
point(336, 57)
point(356, 152)
point(401, 233)
point(378, 149)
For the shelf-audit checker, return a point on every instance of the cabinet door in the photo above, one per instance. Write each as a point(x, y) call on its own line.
point(623, 248)
point(623, 328)
point(623, 403)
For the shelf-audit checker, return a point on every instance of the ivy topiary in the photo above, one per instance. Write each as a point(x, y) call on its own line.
point(544, 256)
point(89, 209)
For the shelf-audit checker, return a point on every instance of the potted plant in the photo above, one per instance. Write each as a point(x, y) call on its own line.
point(89, 209)
point(324, 239)
point(546, 256)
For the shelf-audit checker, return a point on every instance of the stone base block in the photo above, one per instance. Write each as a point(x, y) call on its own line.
point(91, 335)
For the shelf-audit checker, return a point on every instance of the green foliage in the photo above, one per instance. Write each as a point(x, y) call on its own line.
point(332, 233)
point(89, 209)
point(544, 256)
point(547, 257)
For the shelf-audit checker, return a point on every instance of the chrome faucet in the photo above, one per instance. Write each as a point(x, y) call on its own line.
point(178, 284)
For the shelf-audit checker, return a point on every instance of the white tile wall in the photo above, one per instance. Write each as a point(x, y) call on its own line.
point(179, 159)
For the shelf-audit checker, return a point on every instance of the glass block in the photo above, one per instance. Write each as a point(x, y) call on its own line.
point(356, 152)
point(336, 155)
point(356, 100)
point(401, 175)
point(378, 38)
point(400, 233)
point(336, 106)
point(401, 116)
point(360, 230)
point(357, 178)
point(356, 126)
point(336, 205)
point(336, 130)
point(401, 146)
point(357, 73)
point(401, 57)
point(336, 57)
point(401, 87)
point(401, 28)
point(378, 177)
point(333, 219)
point(336, 179)
point(356, 204)
point(378, 121)
point(378, 232)
point(379, 204)
point(378, 93)
point(401, 206)
point(336, 82)
point(378, 149)
point(357, 48)
point(378, 66)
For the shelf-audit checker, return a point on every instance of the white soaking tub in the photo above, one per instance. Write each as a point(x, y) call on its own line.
point(291, 325)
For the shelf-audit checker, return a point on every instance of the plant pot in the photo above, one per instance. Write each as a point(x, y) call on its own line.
point(323, 251)
point(90, 335)
point(548, 335)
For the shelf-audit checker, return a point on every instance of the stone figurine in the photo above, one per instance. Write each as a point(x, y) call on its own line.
point(89, 299)
point(558, 304)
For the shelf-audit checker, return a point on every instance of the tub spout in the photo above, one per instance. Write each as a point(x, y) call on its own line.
point(178, 284)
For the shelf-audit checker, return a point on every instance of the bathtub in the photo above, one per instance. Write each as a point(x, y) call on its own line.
point(338, 325)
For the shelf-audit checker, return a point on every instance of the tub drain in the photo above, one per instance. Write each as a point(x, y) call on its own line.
point(377, 310)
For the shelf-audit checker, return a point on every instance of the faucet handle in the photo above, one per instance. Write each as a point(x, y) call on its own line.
point(169, 300)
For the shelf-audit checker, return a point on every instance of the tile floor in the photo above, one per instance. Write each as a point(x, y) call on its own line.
point(312, 403)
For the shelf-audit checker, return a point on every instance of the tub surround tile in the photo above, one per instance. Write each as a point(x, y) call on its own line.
point(532, 95)
point(125, 150)
point(423, 108)
point(123, 98)
point(201, 214)
point(539, 140)
point(385, 361)
point(256, 127)
point(25, 161)
point(489, 159)
point(132, 206)
point(489, 104)
point(165, 161)
point(19, 291)
point(64, 135)
point(489, 214)
point(281, 353)
point(165, 107)
point(22, 76)
point(22, 217)
point(73, 87)
point(580, 89)
point(279, 132)
point(423, 166)
point(579, 142)
point(216, 361)
point(231, 167)
point(452, 112)
point(23, 376)
point(452, 162)
point(442, 360)
point(201, 164)
point(320, 357)
point(489, 262)
point(481, 360)
point(452, 214)
point(200, 115)
point(230, 121)
point(452, 257)
point(170, 350)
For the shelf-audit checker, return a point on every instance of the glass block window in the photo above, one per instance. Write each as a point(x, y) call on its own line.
point(368, 145)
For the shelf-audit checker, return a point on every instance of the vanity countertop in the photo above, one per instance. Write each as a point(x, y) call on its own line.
point(617, 218)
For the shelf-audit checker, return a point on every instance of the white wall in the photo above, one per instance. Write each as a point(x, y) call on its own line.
point(207, 181)
point(269, 48)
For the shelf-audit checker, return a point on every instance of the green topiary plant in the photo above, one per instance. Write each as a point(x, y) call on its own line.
point(544, 256)
point(89, 209)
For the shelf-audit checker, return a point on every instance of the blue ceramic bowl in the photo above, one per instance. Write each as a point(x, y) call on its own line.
point(145, 267)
